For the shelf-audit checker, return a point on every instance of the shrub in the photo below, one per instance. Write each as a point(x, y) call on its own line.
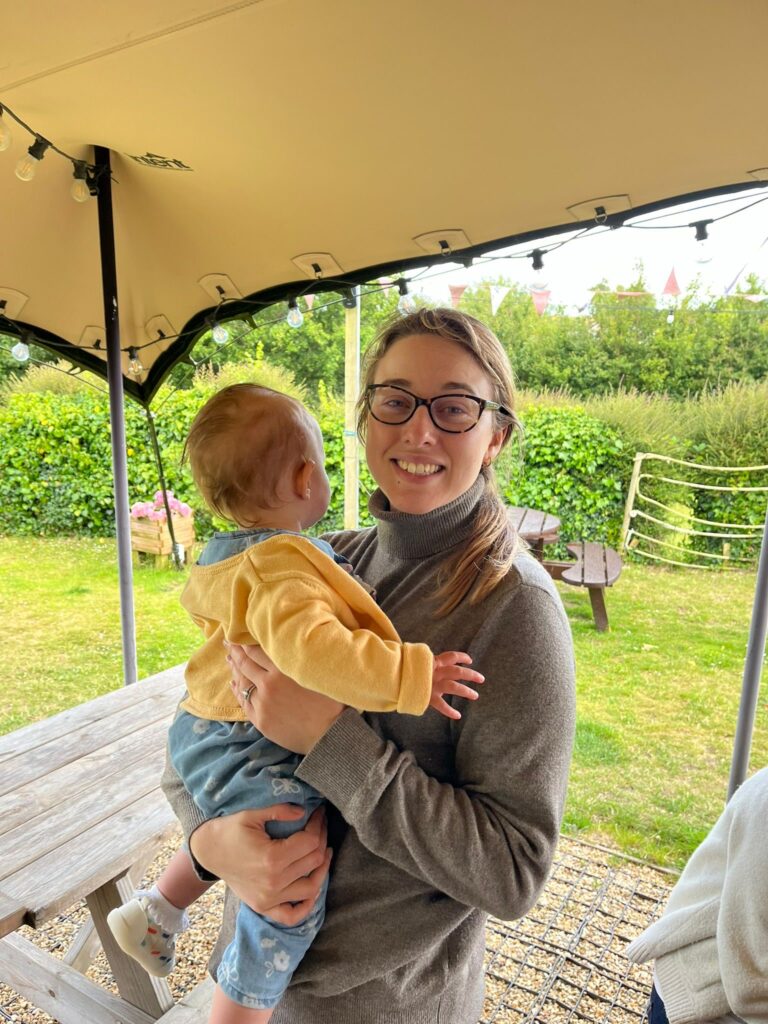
point(575, 467)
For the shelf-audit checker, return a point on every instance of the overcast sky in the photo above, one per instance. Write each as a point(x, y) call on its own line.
point(735, 242)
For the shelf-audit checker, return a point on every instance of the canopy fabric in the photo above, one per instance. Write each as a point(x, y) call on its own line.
point(280, 128)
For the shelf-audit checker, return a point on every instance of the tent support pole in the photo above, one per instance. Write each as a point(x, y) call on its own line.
point(351, 388)
point(116, 413)
point(752, 669)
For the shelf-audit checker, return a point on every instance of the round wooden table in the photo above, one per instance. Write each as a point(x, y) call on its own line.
point(535, 527)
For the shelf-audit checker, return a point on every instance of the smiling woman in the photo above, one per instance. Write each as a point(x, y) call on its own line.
point(433, 826)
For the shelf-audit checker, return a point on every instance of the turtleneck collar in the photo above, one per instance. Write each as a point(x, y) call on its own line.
point(405, 535)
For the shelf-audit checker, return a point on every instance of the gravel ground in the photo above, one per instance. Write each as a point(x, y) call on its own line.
point(564, 961)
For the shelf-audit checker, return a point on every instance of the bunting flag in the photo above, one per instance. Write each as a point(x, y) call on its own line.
point(671, 287)
point(540, 298)
point(386, 282)
point(498, 294)
point(456, 290)
point(309, 299)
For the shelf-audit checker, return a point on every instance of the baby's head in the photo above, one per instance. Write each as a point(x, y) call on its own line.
point(256, 457)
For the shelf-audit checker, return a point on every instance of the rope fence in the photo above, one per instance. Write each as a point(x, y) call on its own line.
point(701, 517)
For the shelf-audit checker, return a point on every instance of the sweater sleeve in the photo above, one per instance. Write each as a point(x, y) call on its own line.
point(296, 620)
point(488, 839)
point(742, 927)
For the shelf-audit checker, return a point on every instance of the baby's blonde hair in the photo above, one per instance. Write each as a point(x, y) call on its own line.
point(242, 445)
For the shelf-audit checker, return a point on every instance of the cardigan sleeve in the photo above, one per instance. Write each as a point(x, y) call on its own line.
point(296, 619)
point(742, 926)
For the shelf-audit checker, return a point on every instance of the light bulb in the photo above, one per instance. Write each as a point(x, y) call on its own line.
point(406, 303)
point(703, 252)
point(135, 365)
point(670, 318)
point(220, 334)
point(5, 133)
point(20, 351)
point(538, 278)
point(80, 190)
point(26, 167)
point(295, 317)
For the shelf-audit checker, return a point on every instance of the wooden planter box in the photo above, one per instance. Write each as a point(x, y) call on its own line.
point(153, 537)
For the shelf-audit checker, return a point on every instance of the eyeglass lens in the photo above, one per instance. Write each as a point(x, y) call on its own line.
point(449, 412)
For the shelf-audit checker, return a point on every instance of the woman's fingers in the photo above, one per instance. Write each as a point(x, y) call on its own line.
point(304, 894)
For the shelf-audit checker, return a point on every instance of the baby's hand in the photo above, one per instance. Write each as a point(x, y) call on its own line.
point(448, 669)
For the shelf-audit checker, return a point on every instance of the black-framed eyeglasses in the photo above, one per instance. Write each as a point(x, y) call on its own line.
point(454, 413)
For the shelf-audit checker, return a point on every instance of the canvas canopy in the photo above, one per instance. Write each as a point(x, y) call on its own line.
point(254, 141)
point(260, 149)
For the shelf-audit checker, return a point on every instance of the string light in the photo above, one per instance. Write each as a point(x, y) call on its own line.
point(26, 167)
point(85, 175)
point(295, 317)
point(703, 251)
point(20, 351)
point(135, 365)
point(220, 334)
point(81, 189)
point(406, 303)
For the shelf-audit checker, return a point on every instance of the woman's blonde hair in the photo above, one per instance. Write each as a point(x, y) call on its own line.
point(488, 554)
point(242, 444)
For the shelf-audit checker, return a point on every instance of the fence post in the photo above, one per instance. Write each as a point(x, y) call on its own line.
point(633, 483)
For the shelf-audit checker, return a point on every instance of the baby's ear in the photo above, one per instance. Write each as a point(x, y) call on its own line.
point(303, 479)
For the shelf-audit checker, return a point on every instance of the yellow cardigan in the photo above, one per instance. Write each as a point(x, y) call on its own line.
point(314, 621)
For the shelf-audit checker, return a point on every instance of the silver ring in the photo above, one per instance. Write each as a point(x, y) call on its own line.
point(246, 694)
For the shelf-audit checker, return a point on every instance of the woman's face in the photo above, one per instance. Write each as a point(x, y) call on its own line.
point(418, 467)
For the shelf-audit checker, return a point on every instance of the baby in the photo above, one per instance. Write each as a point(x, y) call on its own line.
point(257, 459)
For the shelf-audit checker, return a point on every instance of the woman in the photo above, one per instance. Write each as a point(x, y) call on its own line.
point(710, 946)
point(435, 824)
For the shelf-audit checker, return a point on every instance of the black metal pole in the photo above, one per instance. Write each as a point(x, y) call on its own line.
point(116, 413)
point(753, 667)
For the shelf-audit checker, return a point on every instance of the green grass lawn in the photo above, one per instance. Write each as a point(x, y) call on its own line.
point(657, 695)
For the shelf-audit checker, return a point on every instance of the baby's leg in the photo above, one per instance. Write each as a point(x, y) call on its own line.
point(258, 964)
point(224, 1011)
point(146, 926)
point(179, 883)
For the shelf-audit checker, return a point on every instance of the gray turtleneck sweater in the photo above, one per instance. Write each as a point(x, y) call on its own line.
point(440, 822)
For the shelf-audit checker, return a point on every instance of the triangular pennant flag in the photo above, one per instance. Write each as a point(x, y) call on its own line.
point(498, 294)
point(540, 299)
point(456, 290)
point(386, 282)
point(671, 287)
point(309, 299)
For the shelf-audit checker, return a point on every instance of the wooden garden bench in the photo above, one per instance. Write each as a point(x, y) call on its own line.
point(81, 815)
point(596, 567)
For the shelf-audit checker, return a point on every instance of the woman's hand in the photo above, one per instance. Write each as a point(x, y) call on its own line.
point(278, 877)
point(282, 710)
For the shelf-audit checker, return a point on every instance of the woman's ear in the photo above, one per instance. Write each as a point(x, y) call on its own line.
point(303, 479)
point(495, 445)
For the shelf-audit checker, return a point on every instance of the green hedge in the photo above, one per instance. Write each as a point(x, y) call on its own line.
point(56, 477)
point(55, 456)
point(573, 465)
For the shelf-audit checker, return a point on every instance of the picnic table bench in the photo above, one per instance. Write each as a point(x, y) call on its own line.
point(596, 567)
point(81, 815)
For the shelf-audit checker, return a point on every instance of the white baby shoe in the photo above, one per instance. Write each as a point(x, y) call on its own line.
point(139, 934)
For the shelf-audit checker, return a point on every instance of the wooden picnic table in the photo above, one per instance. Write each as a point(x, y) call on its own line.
point(81, 815)
point(535, 527)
